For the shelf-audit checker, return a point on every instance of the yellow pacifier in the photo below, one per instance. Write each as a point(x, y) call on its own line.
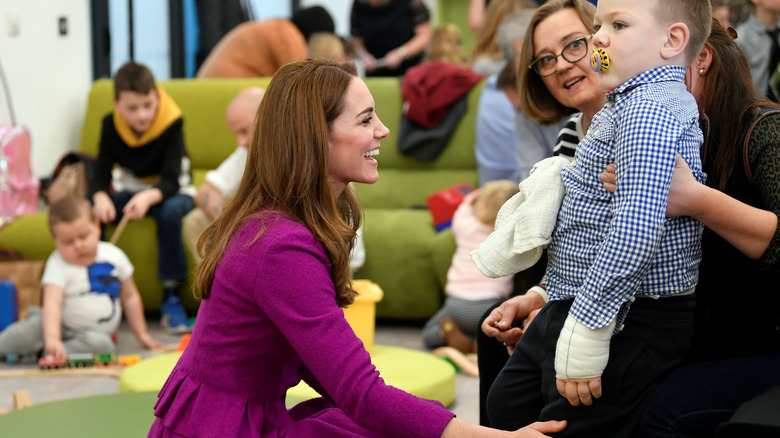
point(599, 60)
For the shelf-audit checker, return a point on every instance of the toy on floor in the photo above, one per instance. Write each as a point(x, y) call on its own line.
point(81, 360)
point(465, 362)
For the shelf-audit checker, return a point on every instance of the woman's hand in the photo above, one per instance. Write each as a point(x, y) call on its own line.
point(684, 190)
point(540, 428)
point(499, 323)
point(683, 193)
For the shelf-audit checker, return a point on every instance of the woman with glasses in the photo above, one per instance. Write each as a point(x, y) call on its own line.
point(555, 80)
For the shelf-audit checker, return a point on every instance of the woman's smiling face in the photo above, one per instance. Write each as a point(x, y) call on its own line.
point(574, 85)
point(354, 138)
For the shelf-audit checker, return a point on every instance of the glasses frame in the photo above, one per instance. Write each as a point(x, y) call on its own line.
point(533, 64)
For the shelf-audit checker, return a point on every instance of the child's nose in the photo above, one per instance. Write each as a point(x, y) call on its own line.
point(598, 39)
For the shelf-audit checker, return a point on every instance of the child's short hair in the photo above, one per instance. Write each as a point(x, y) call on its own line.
point(493, 196)
point(446, 45)
point(326, 45)
point(69, 209)
point(696, 14)
point(133, 77)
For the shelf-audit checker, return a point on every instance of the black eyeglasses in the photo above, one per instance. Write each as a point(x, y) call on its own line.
point(572, 52)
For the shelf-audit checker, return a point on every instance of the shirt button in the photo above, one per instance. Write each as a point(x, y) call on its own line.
point(622, 326)
point(632, 299)
point(610, 103)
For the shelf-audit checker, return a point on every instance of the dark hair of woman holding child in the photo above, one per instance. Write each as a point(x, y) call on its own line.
point(275, 277)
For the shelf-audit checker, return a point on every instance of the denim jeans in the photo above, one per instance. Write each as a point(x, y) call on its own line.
point(693, 399)
point(171, 260)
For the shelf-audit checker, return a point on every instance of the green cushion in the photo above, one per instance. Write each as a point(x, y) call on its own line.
point(116, 415)
point(417, 372)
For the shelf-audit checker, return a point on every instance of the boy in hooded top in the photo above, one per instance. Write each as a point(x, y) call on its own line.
point(144, 138)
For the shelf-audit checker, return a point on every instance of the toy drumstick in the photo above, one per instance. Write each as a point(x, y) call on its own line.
point(119, 229)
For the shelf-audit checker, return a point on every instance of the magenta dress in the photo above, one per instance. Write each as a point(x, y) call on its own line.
point(272, 320)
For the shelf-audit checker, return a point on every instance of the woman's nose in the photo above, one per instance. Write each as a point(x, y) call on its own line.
point(382, 131)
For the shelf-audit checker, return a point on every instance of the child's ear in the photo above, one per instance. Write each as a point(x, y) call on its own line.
point(677, 37)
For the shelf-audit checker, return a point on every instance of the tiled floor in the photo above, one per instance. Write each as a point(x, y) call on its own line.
point(46, 389)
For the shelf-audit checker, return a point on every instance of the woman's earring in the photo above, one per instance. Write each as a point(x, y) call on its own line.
point(701, 71)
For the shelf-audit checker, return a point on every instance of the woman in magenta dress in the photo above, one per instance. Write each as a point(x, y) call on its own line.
point(276, 274)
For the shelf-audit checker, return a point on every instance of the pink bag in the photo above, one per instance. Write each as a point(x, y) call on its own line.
point(19, 188)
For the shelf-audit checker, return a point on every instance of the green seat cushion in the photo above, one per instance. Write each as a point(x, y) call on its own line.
point(416, 372)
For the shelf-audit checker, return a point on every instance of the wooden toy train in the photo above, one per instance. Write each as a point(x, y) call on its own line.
point(80, 360)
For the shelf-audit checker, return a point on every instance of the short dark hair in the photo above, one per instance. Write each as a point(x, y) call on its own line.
point(134, 77)
point(68, 209)
point(312, 20)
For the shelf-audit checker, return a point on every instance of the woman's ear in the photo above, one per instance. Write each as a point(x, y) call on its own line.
point(677, 37)
point(704, 60)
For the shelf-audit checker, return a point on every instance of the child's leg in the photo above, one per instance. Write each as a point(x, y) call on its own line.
point(172, 260)
point(23, 337)
point(655, 338)
point(87, 341)
point(431, 332)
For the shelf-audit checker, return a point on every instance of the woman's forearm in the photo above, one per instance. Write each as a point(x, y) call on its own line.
point(749, 229)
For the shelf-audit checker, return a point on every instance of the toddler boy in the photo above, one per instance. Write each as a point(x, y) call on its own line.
point(614, 252)
point(144, 137)
point(86, 284)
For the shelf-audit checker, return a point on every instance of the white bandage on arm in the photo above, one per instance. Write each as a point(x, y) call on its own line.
point(541, 291)
point(582, 352)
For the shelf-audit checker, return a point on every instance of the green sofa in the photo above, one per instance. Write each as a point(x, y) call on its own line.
point(404, 253)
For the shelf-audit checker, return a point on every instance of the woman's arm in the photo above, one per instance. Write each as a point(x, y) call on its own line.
point(749, 229)
point(459, 428)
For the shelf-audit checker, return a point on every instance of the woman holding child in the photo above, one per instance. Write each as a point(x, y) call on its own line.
point(276, 274)
point(741, 240)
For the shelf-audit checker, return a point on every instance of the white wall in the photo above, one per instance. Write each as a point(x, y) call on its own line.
point(49, 75)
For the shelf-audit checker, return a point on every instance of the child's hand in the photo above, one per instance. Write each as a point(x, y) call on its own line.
point(579, 391)
point(104, 207)
point(139, 204)
point(55, 348)
point(149, 342)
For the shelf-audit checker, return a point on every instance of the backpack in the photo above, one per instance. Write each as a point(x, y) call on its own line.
point(18, 187)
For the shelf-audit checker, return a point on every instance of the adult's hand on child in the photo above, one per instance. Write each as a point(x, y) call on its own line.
point(608, 179)
point(103, 207)
point(579, 391)
point(682, 192)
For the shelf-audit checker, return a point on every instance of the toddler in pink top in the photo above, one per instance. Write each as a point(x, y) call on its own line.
point(469, 292)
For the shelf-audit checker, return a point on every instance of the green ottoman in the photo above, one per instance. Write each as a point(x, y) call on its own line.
point(416, 372)
point(114, 415)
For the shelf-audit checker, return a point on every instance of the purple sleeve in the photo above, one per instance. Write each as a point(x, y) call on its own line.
point(297, 294)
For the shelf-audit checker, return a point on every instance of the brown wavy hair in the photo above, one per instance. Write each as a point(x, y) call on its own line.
point(537, 101)
point(286, 170)
point(729, 99)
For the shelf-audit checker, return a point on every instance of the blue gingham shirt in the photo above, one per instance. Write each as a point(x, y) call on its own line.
point(608, 248)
